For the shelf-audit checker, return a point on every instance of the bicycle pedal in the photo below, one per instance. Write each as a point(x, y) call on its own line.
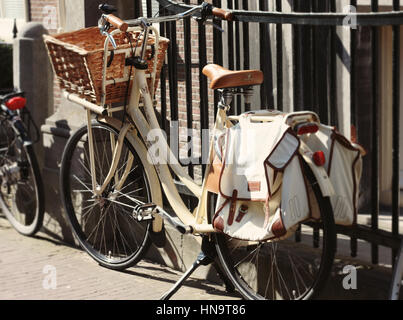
point(144, 212)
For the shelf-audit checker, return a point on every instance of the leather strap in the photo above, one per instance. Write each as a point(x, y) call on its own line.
point(232, 207)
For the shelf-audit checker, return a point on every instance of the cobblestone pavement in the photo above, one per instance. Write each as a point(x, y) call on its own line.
point(28, 264)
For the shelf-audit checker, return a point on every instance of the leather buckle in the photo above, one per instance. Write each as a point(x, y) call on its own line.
point(241, 212)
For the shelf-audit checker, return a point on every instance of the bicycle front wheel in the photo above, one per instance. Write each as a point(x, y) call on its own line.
point(21, 189)
point(292, 269)
point(106, 227)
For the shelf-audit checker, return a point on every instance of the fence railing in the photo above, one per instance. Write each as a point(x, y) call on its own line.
point(312, 66)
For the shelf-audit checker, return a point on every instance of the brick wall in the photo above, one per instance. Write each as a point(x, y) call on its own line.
point(46, 12)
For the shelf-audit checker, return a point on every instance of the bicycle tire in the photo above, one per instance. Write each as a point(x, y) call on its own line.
point(15, 198)
point(104, 257)
point(255, 288)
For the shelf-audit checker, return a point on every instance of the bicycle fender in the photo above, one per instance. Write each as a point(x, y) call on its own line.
point(141, 150)
point(320, 173)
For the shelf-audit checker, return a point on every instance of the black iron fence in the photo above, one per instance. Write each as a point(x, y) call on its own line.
point(318, 53)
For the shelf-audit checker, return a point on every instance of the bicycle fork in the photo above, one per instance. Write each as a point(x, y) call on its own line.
point(117, 151)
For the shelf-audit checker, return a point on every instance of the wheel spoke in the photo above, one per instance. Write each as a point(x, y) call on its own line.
point(107, 228)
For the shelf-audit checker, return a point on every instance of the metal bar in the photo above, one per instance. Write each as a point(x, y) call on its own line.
point(149, 9)
point(326, 41)
point(163, 81)
point(319, 19)
point(268, 68)
point(279, 58)
point(375, 137)
point(218, 52)
point(245, 39)
point(378, 237)
point(188, 84)
point(204, 115)
point(168, 295)
point(296, 56)
point(312, 65)
point(304, 77)
point(86, 104)
point(299, 18)
point(321, 67)
point(263, 56)
point(238, 57)
point(397, 275)
point(117, 152)
point(230, 46)
point(314, 106)
point(91, 151)
point(333, 71)
point(173, 71)
point(353, 35)
point(396, 129)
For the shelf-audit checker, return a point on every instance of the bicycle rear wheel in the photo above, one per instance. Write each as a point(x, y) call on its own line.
point(293, 269)
point(106, 227)
point(21, 188)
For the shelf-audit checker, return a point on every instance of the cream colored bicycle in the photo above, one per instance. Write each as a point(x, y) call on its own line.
point(111, 184)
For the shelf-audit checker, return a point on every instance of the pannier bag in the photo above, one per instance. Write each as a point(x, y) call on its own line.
point(344, 167)
point(262, 191)
point(260, 181)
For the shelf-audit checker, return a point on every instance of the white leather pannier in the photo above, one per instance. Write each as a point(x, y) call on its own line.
point(344, 168)
point(262, 191)
point(260, 181)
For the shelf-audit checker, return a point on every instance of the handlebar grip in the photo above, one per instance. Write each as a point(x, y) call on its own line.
point(223, 14)
point(117, 22)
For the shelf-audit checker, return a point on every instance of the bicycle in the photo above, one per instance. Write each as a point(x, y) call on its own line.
point(21, 189)
point(111, 185)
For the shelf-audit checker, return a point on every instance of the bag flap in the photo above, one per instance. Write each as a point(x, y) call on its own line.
point(284, 151)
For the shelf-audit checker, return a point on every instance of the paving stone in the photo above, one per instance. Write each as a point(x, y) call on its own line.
point(78, 277)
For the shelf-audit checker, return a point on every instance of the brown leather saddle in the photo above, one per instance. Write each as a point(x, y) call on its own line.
point(223, 78)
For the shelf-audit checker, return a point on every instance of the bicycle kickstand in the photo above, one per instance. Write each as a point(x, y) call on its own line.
point(202, 260)
point(205, 257)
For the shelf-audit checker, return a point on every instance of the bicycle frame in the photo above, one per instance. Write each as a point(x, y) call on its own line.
point(143, 125)
point(198, 221)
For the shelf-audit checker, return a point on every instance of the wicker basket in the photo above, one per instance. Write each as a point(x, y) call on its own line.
point(77, 59)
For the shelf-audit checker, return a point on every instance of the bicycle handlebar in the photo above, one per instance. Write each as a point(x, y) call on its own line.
point(205, 10)
point(210, 11)
point(116, 22)
point(223, 14)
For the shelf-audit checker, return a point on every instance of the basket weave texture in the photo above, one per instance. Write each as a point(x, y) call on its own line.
point(77, 59)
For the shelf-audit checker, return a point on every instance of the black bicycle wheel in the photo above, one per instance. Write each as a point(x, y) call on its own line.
point(296, 268)
point(21, 188)
point(106, 227)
